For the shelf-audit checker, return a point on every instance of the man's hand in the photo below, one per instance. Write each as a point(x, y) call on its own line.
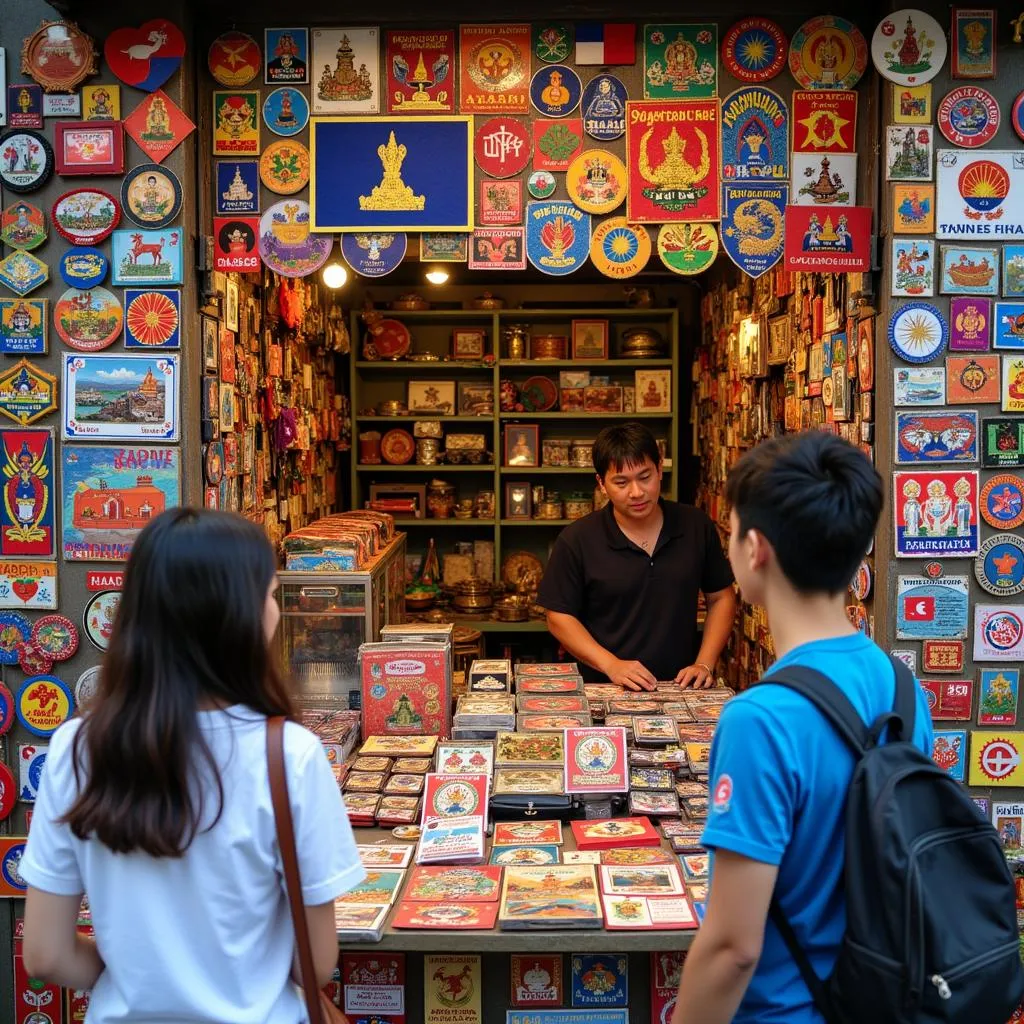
point(696, 676)
point(630, 675)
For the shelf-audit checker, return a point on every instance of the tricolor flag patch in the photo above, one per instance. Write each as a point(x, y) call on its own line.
point(603, 44)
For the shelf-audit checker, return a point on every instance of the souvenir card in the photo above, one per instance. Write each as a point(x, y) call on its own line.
point(913, 267)
point(970, 323)
point(416, 765)
point(1012, 396)
point(494, 69)
point(399, 746)
point(940, 656)
point(997, 704)
point(398, 810)
point(980, 195)
point(913, 209)
point(518, 833)
point(828, 180)
point(609, 833)
point(651, 778)
point(996, 758)
point(555, 896)
point(1002, 443)
point(447, 916)
point(998, 633)
point(949, 699)
point(1008, 819)
point(600, 980)
point(420, 68)
point(973, 43)
point(595, 760)
point(380, 887)
point(140, 257)
point(581, 857)
point(404, 785)
point(372, 983)
point(696, 867)
point(935, 437)
point(372, 764)
point(694, 807)
point(464, 758)
point(919, 385)
point(451, 840)
point(286, 56)
point(1013, 271)
point(635, 706)
point(509, 856)
point(454, 884)
point(444, 247)
point(936, 513)
point(655, 730)
point(362, 805)
point(513, 750)
point(566, 685)
point(536, 979)
point(908, 152)
point(969, 270)
point(452, 796)
point(972, 379)
point(364, 782)
point(688, 787)
point(638, 856)
point(1009, 325)
point(547, 670)
point(912, 104)
point(345, 70)
point(407, 694)
point(643, 912)
point(358, 922)
point(385, 855)
point(525, 781)
point(655, 804)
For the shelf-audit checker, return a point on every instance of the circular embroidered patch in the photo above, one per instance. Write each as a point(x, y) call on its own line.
point(151, 195)
point(969, 116)
point(33, 660)
point(754, 50)
point(8, 791)
point(999, 567)
point(57, 635)
point(44, 704)
point(1002, 501)
point(619, 249)
point(917, 332)
point(15, 630)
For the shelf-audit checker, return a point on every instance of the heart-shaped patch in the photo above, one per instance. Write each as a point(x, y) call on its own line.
point(145, 56)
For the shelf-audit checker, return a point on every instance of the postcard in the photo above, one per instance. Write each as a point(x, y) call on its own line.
point(451, 839)
point(447, 915)
point(451, 796)
point(563, 895)
point(456, 884)
point(379, 887)
point(518, 833)
point(642, 880)
point(514, 750)
point(387, 855)
point(397, 746)
point(539, 781)
point(696, 866)
point(455, 758)
point(606, 833)
point(595, 760)
point(643, 912)
point(523, 856)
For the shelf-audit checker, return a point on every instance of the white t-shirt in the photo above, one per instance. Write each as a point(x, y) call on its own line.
point(206, 937)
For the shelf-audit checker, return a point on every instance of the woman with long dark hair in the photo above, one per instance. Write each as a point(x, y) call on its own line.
point(156, 805)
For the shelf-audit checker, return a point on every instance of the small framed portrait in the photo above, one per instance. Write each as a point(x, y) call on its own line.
point(468, 343)
point(590, 339)
point(779, 340)
point(522, 444)
point(476, 399)
point(653, 391)
point(518, 500)
point(210, 344)
point(89, 148)
point(433, 396)
point(231, 306)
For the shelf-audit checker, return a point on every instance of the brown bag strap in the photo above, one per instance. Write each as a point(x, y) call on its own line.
point(286, 844)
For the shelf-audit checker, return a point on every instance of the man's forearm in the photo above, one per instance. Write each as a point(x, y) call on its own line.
point(576, 639)
point(718, 625)
point(714, 980)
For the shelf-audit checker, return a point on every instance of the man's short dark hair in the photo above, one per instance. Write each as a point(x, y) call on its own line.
point(816, 499)
point(625, 444)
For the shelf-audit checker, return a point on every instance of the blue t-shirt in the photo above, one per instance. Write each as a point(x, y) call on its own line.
point(779, 776)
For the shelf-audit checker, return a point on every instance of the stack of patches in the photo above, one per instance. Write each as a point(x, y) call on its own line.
point(643, 889)
point(384, 784)
point(343, 542)
point(480, 716)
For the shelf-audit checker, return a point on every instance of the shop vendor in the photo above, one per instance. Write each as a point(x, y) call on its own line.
point(622, 584)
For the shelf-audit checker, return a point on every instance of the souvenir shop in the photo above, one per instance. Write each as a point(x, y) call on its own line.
point(396, 276)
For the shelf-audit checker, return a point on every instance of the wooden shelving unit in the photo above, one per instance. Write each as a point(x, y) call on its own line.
point(374, 382)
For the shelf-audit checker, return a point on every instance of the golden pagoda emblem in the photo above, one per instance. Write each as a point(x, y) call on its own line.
point(421, 80)
point(674, 171)
point(392, 193)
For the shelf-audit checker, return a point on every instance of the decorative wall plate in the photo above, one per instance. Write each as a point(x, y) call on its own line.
point(969, 116)
point(88, 320)
point(828, 52)
point(99, 617)
point(147, 56)
point(908, 47)
point(151, 195)
point(26, 160)
point(286, 111)
point(59, 56)
point(234, 59)
point(23, 226)
point(754, 50)
point(917, 332)
point(82, 267)
point(286, 245)
point(57, 635)
point(397, 447)
point(284, 167)
point(619, 249)
point(391, 339)
point(22, 272)
point(86, 216)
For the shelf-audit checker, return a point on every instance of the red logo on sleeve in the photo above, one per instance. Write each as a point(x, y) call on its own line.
point(723, 793)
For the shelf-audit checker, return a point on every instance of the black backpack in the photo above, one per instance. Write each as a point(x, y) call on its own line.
point(931, 922)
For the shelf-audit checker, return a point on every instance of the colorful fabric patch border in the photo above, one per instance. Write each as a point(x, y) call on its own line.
point(998, 633)
point(498, 249)
point(999, 567)
point(618, 249)
point(286, 111)
point(22, 272)
point(557, 237)
point(501, 201)
point(152, 319)
point(828, 52)
point(935, 437)
point(824, 121)
point(600, 980)
point(289, 248)
point(27, 519)
point(755, 135)
point(420, 68)
point(494, 69)
point(830, 239)
point(27, 393)
point(979, 194)
point(969, 116)
point(917, 332)
point(687, 248)
point(552, 43)
point(236, 126)
point(942, 656)
point(754, 50)
point(24, 324)
point(949, 699)
point(753, 225)
point(238, 187)
point(25, 106)
point(83, 267)
point(680, 61)
point(556, 143)
point(1002, 501)
point(158, 126)
point(931, 609)
point(936, 513)
point(44, 703)
point(23, 226)
point(286, 56)
point(235, 245)
point(151, 196)
point(604, 108)
point(555, 90)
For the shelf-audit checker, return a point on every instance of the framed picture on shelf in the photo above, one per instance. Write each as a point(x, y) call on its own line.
point(468, 343)
point(602, 399)
point(436, 396)
point(518, 500)
point(476, 399)
point(522, 444)
point(590, 339)
point(653, 391)
point(571, 399)
point(231, 306)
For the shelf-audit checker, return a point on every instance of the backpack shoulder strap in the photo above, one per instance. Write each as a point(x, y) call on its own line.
point(816, 687)
point(905, 704)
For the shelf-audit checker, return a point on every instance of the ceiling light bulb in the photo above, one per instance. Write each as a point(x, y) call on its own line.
point(334, 275)
point(437, 276)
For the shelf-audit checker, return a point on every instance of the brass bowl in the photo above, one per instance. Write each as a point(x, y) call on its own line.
point(420, 603)
point(410, 301)
point(486, 301)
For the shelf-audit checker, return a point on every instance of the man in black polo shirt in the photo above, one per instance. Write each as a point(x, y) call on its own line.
point(621, 586)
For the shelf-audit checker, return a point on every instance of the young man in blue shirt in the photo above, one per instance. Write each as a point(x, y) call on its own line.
point(804, 510)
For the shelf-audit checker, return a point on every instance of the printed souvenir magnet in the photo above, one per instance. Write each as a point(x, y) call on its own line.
point(158, 125)
point(754, 50)
point(86, 216)
point(25, 106)
point(83, 267)
point(31, 760)
point(969, 116)
point(144, 57)
point(234, 59)
point(6, 709)
point(100, 613)
point(15, 630)
point(502, 147)
point(288, 248)
point(88, 320)
point(151, 195)
point(917, 332)
point(22, 272)
point(57, 635)
point(557, 237)
point(44, 703)
point(27, 393)
point(908, 47)
point(26, 160)
point(284, 167)
point(23, 226)
point(552, 43)
point(286, 53)
point(59, 56)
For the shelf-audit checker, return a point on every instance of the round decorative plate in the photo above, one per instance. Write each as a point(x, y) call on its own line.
point(604, 108)
point(234, 59)
point(518, 564)
point(828, 52)
point(7, 715)
point(99, 617)
point(146, 56)
point(26, 160)
point(33, 660)
point(999, 567)
point(541, 184)
point(44, 703)
point(23, 226)
point(541, 393)
point(375, 254)
point(1017, 115)
point(284, 167)
point(908, 47)
point(917, 332)
point(59, 56)
point(88, 320)
point(286, 111)
point(15, 630)
point(391, 339)
point(411, 832)
point(502, 147)
point(619, 249)
point(860, 587)
point(687, 248)
point(83, 267)
point(754, 50)
point(86, 216)
point(1002, 501)
point(87, 686)
point(397, 447)
point(596, 181)
point(151, 195)
point(969, 116)
point(57, 635)
point(555, 90)
point(286, 245)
